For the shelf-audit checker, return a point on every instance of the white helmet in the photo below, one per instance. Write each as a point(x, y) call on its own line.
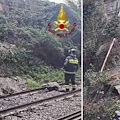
point(117, 113)
point(72, 51)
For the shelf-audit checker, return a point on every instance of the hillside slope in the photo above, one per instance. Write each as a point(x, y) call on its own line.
point(26, 45)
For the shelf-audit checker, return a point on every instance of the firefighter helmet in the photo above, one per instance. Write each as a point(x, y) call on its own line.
point(72, 51)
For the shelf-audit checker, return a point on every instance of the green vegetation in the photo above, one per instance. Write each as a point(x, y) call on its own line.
point(97, 101)
point(32, 83)
point(27, 48)
point(75, 5)
point(47, 74)
point(103, 110)
point(100, 27)
point(78, 75)
point(94, 78)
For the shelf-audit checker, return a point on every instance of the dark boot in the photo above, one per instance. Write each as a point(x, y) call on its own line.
point(73, 88)
point(67, 90)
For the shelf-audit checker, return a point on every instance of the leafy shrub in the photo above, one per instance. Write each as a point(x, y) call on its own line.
point(96, 102)
point(47, 74)
point(95, 77)
point(78, 74)
point(33, 84)
point(27, 31)
point(103, 109)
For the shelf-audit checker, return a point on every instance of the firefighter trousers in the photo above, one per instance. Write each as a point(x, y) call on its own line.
point(69, 77)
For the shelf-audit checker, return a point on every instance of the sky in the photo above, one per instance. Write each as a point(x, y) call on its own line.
point(58, 1)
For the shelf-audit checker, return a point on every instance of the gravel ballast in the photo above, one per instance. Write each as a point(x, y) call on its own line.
point(50, 110)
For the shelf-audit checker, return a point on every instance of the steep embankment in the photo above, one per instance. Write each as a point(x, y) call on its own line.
point(101, 90)
point(26, 45)
point(101, 23)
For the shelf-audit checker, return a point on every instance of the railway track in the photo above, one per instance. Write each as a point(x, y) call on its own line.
point(25, 97)
point(16, 109)
point(24, 92)
point(73, 116)
point(21, 93)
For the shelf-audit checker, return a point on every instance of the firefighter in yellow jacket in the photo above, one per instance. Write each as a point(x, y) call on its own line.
point(70, 69)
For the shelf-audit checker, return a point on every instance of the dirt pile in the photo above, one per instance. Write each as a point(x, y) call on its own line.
point(12, 85)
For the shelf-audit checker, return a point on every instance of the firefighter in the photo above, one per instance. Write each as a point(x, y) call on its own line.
point(116, 115)
point(70, 68)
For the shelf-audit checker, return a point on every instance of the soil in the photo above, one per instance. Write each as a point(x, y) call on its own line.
point(12, 85)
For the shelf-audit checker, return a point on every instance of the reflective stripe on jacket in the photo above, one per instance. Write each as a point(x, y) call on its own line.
point(71, 65)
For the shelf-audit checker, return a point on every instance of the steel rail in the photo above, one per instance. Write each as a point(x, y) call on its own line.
point(12, 110)
point(21, 93)
point(73, 116)
point(24, 92)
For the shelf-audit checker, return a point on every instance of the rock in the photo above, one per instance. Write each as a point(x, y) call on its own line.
point(118, 89)
point(11, 118)
point(8, 86)
point(114, 89)
point(115, 84)
point(62, 90)
point(51, 86)
point(21, 82)
point(7, 90)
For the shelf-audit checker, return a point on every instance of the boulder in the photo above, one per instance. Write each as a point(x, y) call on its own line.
point(10, 85)
point(51, 86)
point(113, 85)
point(118, 89)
